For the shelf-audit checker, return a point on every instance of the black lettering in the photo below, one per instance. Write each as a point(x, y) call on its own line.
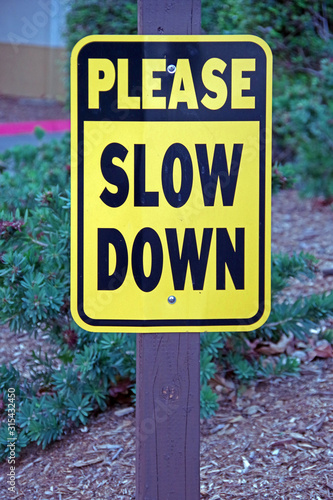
point(147, 283)
point(226, 255)
point(228, 181)
point(142, 198)
point(189, 254)
point(114, 175)
point(106, 237)
point(173, 198)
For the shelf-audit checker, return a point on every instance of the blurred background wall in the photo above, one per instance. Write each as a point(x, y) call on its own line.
point(32, 49)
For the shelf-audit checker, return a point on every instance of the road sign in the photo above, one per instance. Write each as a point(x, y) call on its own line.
point(171, 160)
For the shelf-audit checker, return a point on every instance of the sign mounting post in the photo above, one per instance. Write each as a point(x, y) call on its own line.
point(168, 365)
point(171, 187)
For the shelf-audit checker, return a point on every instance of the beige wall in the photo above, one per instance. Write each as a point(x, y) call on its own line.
point(32, 71)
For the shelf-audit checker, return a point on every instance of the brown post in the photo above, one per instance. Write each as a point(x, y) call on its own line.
point(169, 17)
point(168, 365)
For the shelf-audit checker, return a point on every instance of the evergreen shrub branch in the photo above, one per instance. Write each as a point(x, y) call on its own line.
point(78, 376)
point(82, 371)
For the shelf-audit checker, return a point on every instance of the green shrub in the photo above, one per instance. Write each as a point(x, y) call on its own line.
point(29, 171)
point(97, 17)
point(312, 123)
point(81, 371)
point(298, 32)
point(300, 36)
point(304, 130)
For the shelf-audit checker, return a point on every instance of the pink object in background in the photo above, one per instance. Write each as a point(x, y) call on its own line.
point(15, 128)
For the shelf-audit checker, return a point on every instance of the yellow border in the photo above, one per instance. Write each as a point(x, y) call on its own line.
point(74, 176)
point(268, 149)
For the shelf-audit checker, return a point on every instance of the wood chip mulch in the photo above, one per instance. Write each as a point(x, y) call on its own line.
point(274, 440)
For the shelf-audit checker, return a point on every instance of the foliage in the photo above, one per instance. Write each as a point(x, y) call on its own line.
point(283, 177)
point(91, 17)
point(69, 392)
point(21, 441)
point(312, 124)
point(232, 352)
point(82, 372)
point(298, 32)
point(97, 17)
point(300, 36)
point(285, 267)
point(30, 171)
point(9, 378)
point(303, 129)
point(208, 402)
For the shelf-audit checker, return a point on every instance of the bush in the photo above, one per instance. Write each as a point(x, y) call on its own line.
point(92, 17)
point(83, 372)
point(298, 32)
point(34, 240)
point(304, 130)
point(312, 124)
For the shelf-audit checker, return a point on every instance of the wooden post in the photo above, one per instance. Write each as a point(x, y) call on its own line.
point(166, 17)
point(168, 365)
point(167, 418)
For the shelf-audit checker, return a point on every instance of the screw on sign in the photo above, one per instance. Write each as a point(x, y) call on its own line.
point(170, 215)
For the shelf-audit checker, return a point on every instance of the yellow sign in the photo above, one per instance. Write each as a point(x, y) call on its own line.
point(171, 181)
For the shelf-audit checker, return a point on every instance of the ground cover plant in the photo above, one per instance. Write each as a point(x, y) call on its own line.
point(80, 373)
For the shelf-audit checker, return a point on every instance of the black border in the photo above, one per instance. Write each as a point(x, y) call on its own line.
point(173, 50)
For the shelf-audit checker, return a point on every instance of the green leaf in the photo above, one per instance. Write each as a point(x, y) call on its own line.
point(207, 367)
point(208, 402)
point(78, 407)
point(39, 132)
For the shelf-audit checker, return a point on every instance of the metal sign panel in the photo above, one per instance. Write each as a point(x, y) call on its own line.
point(171, 183)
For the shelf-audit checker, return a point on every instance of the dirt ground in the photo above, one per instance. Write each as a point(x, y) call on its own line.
point(274, 440)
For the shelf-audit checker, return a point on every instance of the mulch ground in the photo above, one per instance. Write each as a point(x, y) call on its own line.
point(272, 439)
point(274, 442)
